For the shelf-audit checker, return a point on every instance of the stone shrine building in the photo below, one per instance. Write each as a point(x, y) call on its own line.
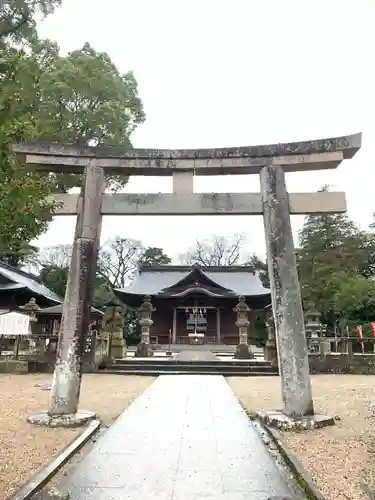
point(193, 304)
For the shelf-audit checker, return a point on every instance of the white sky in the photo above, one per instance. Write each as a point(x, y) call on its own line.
point(217, 73)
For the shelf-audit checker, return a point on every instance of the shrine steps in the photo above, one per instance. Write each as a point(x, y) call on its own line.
point(155, 373)
point(171, 367)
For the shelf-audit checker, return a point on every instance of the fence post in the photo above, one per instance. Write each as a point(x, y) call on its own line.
point(350, 349)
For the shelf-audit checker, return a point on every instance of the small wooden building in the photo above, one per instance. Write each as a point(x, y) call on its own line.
point(17, 288)
point(193, 299)
point(49, 320)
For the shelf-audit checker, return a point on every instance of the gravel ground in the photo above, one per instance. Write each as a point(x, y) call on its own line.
point(340, 459)
point(25, 448)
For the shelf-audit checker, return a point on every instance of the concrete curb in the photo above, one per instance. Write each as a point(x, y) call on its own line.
point(41, 478)
point(303, 477)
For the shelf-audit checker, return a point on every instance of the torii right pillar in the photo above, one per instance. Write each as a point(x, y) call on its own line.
point(298, 411)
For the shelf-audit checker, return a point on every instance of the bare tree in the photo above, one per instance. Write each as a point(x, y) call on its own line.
point(216, 251)
point(118, 260)
point(54, 256)
point(58, 255)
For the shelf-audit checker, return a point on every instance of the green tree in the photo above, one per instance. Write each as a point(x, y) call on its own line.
point(355, 298)
point(153, 256)
point(80, 98)
point(18, 17)
point(330, 258)
point(25, 208)
point(368, 269)
point(261, 266)
point(54, 263)
point(55, 278)
point(84, 100)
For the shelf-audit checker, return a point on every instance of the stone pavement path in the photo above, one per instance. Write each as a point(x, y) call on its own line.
point(202, 355)
point(186, 437)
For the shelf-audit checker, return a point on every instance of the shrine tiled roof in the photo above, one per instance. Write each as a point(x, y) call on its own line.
point(238, 280)
point(18, 279)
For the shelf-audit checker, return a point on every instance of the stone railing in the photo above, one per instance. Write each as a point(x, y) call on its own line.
point(182, 339)
point(42, 357)
point(344, 360)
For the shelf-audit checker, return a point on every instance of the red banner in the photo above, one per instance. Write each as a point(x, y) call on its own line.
point(359, 331)
point(373, 328)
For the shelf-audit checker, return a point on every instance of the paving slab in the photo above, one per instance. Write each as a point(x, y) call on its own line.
point(191, 355)
point(186, 437)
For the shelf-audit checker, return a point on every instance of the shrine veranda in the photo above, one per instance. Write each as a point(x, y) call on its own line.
point(274, 203)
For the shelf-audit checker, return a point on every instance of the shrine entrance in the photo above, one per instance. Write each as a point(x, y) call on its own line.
point(274, 203)
point(196, 323)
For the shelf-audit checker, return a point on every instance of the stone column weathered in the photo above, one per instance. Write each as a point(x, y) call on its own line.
point(66, 383)
point(286, 295)
point(145, 321)
point(243, 350)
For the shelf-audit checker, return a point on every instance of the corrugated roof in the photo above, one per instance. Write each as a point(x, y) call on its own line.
point(58, 310)
point(28, 281)
point(242, 283)
point(240, 279)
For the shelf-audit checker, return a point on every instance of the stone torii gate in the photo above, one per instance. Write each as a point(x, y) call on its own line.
point(270, 162)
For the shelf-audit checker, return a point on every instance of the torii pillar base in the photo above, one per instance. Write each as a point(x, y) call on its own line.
point(284, 422)
point(78, 419)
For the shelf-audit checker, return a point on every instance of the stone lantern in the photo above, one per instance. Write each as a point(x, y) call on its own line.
point(313, 328)
point(31, 308)
point(270, 351)
point(243, 350)
point(145, 321)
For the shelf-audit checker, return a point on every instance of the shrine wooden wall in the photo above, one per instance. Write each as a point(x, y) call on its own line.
point(163, 322)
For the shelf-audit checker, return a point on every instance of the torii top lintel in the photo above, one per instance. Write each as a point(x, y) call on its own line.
point(294, 156)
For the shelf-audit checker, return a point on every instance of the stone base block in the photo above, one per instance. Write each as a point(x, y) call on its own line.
point(282, 421)
point(73, 420)
point(118, 348)
point(243, 351)
point(13, 366)
point(144, 351)
point(52, 494)
point(270, 354)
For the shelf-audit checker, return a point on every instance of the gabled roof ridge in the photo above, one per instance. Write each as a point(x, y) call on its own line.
point(203, 273)
point(188, 269)
point(21, 272)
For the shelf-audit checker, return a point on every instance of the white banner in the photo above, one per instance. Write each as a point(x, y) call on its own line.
point(14, 324)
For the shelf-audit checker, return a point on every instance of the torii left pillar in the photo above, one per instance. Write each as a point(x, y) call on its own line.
point(66, 383)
